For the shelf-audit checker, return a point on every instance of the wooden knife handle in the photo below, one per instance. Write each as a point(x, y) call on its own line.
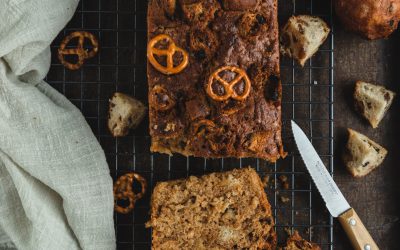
point(356, 231)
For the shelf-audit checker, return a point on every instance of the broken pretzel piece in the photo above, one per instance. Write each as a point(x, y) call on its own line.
point(161, 98)
point(123, 191)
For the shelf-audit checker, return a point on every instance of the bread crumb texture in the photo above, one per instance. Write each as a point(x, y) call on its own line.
point(372, 101)
point(226, 210)
point(302, 36)
point(125, 113)
point(362, 155)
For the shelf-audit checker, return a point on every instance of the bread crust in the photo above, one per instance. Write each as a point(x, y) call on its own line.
point(373, 19)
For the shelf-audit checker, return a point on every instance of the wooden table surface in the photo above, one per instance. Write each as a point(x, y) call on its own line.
point(376, 197)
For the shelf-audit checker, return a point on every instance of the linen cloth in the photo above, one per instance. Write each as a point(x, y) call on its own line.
point(55, 187)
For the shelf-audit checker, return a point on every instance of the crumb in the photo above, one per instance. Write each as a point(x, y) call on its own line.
point(285, 199)
point(284, 181)
point(283, 178)
point(286, 185)
point(288, 231)
point(265, 180)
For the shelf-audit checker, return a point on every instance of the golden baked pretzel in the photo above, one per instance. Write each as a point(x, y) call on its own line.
point(229, 87)
point(206, 124)
point(123, 191)
point(169, 69)
point(79, 51)
point(161, 99)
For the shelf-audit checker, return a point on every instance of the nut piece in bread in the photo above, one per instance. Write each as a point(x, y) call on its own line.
point(372, 101)
point(302, 36)
point(124, 113)
point(369, 18)
point(362, 155)
point(226, 210)
point(296, 242)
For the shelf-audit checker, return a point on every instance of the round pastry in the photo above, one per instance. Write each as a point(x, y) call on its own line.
point(370, 18)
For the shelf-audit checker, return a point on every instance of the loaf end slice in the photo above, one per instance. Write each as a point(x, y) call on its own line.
point(362, 155)
point(372, 101)
point(296, 242)
point(124, 113)
point(226, 210)
point(302, 36)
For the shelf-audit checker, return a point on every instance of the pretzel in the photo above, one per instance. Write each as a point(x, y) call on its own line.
point(161, 99)
point(207, 124)
point(123, 191)
point(170, 69)
point(209, 130)
point(229, 87)
point(80, 51)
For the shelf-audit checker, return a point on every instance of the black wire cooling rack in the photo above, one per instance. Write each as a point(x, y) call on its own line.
point(120, 26)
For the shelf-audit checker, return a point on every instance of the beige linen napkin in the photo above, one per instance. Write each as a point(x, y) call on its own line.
point(55, 187)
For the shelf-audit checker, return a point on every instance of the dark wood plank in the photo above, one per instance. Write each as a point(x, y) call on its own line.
point(376, 196)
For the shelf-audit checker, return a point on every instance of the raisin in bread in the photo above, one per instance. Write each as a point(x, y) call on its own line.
point(226, 210)
point(296, 242)
point(362, 155)
point(302, 36)
point(372, 101)
point(124, 113)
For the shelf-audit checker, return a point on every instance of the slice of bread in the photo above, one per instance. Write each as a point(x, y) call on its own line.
point(124, 113)
point(226, 210)
point(302, 36)
point(372, 101)
point(362, 155)
point(296, 242)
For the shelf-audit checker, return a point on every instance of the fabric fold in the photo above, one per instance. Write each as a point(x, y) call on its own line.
point(55, 187)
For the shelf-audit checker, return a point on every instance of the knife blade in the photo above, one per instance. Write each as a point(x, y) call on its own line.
point(334, 199)
point(335, 202)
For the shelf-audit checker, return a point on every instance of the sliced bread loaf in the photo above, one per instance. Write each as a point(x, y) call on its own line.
point(124, 113)
point(372, 101)
point(362, 155)
point(226, 210)
point(302, 36)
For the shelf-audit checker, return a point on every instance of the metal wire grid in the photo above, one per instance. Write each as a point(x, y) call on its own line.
point(120, 26)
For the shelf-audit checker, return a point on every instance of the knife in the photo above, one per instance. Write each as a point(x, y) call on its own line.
point(334, 199)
